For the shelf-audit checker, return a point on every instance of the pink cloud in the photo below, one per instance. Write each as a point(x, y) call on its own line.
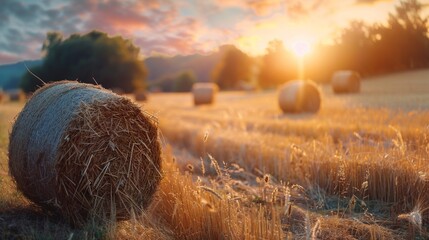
point(116, 16)
point(9, 58)
point(177, 37)
point(259, 7)
point(265, 7)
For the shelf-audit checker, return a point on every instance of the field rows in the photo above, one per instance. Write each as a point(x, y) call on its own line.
point(241, 169)
point(378, 156)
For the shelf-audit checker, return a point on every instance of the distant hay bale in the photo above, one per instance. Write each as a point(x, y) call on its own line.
point(299, 96)
point(2, 96)
point(16, 95)
point(140, 96)
point(83, 151)
point(204, 93)
point(346, 82)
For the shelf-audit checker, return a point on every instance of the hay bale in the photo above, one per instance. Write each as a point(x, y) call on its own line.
point(16, 95)
point(140, 96)
point(345, 82)
point(83, 151)
point(2, 96)
point(299, 96)
point(204, 93)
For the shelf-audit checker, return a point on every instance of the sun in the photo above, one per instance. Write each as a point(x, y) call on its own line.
point(301, 48)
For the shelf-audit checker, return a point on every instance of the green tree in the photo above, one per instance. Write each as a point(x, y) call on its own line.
point(234, 68)
point(112, 61)
point(184, 82)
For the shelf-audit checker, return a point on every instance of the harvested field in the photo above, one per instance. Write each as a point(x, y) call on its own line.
point(357, 169)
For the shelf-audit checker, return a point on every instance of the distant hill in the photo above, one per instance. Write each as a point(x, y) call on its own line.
point(200, 65)
point(10, 74)
point(159, 68)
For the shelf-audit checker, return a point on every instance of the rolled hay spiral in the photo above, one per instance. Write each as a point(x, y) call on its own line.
point(204, 93)
point(299, 96)
point(345, 82)
point(83, 152)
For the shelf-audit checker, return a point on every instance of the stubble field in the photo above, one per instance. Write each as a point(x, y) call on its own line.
point(241, 169)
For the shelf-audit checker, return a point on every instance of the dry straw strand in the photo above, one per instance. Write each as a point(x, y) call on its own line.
point(84, 151)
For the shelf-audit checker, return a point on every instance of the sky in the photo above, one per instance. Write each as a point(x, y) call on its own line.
point(168, 27)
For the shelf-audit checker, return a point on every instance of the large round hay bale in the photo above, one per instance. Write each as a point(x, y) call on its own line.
point(345, 82)
point(85, 152)
point(299, 96)
point(204, 93)
point(140, 96)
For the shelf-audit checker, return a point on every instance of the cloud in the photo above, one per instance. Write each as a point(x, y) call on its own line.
point(8, 58)
point(24, 11)
point(182, 37)
point(154, 25)
point(263, 7)
point(371, 1)
point(294, 8)
point(258, 7)
point(175, 27)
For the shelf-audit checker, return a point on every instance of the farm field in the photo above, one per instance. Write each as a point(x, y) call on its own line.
point(241, 169)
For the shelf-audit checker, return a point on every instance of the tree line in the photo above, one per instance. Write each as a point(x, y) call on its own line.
point(400, 44)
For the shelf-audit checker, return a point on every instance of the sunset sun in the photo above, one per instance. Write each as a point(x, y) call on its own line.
point(300, 47)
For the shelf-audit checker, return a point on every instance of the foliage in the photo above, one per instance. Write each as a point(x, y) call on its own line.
point(277, 66)
point(181, 82)
point(234, 68)
point(266, 176)
point(112, 61)
point(400, 44)
point(184, 82)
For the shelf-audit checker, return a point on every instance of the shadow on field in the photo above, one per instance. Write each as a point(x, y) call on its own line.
point(31, 223)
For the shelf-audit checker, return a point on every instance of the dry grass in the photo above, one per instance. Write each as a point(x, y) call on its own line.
point(376, 155)
point(241, 169)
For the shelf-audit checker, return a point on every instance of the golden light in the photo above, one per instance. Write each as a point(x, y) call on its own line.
point(301, 48)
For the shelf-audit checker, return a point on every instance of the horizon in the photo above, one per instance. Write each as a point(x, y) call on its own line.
point(167, 28)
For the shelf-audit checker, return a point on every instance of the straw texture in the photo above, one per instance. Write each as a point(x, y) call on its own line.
point(84, 151)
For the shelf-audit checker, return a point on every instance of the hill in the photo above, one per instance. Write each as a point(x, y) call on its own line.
point(10, 74)
point(201, 65)
point(159, 67)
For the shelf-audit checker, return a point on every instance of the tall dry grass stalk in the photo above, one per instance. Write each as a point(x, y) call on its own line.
point(384, 167)
point(383, 158)
point(194, 211)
